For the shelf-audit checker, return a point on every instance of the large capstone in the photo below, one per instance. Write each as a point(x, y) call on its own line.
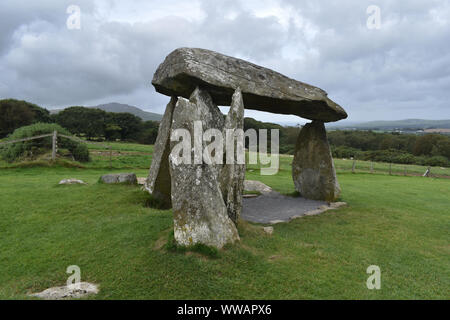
point(200, 213)
point(262, 89)
point(158, 181)
point(233, 172)
point(312, 167)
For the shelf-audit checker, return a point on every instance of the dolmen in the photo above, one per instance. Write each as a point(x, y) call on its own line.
point(206, 195)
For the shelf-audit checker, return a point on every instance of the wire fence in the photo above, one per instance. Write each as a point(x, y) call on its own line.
point(359, 166)
point(55, 136)
point(131, 155)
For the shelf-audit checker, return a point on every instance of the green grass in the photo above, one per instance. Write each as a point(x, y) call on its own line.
point(399, 223)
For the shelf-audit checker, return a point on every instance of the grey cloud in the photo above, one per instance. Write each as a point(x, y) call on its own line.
point(388, 73)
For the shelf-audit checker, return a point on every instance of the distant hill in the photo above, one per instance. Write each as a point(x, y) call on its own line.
point(119, 107)
point(408, 124)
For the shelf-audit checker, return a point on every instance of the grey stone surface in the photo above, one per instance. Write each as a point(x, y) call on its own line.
point(254, 185)
point(200, 214)
point(263, 89)
point(274, 208)
point(66, 292)
point(158, 180)
point(312, 167)
point(232, 175)
point(72, 181)
point(127, 178)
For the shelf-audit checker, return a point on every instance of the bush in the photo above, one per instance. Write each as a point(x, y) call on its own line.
point(347, 152)
point(287, 149)
point(33, 148)
point(18, 113)
point(81, 153)
point(437, 161)
point(405, 158)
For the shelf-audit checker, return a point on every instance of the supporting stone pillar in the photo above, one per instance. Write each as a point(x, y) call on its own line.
point(200, 213)
point(312, 167)
point(158, 180)
point(233, 174)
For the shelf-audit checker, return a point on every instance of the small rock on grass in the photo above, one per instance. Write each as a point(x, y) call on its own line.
point(66, 292)
point(253, 185)
point(129, 178)
point(72, 181)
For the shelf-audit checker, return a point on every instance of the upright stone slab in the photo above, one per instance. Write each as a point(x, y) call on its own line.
point(233, 175)
point(158, 180)
point(312, 168)
point(200, 214)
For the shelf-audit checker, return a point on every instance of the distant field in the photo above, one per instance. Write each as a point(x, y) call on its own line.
point(133, 155)
point(398, 223)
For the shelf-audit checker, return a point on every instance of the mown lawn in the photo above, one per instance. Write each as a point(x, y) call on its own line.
point(399, 223)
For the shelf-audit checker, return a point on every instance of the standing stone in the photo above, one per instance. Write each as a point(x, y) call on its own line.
point(233, 175)
point(158, 180)
point(313, 168)
point(200, 214)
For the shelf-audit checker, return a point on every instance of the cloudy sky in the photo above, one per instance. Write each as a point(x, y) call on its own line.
point(400, 70)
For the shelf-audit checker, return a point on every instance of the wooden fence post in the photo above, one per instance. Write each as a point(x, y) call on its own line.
point(110, 157)
point(390, 168)
point(371, 167)
point(353, 166)
point(54, 146)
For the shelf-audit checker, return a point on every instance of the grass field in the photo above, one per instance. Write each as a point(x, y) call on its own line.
point(400, 223)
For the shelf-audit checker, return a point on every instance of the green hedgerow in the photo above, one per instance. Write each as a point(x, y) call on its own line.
point(15, 151)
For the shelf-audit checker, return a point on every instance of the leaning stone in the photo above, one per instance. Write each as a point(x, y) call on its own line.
point(263, 89)
point(66, 292)
point(158, 181)
point(200, 214)
point(72, 181)
point(126, 178)
point(253, 185)
point(233, 175)
point(312, 167)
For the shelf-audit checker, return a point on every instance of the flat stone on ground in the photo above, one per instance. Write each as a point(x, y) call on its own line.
point(72, 181)
point(275, 208)
point(64, 292)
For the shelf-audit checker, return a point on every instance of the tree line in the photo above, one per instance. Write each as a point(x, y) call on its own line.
point(428, 149)
point(90, 123)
